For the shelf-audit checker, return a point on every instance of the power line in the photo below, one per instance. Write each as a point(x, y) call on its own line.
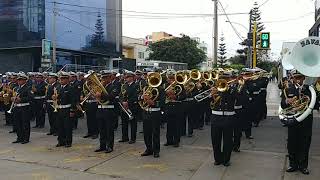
point(145, 12)
point(291, 19)
point(59, 14)
point(264, 3)
point(234, 29)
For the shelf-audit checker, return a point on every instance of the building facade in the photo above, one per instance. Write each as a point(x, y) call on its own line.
point(158, 36)
point(24, 23)
point(315, 29)
point(134, 48)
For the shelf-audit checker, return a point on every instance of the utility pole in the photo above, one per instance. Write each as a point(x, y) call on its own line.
point(249, 54)
point(254, 62)
point(54, 38)
point(215, 38)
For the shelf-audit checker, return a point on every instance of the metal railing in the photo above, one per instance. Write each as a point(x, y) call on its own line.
point(82, 68)
point(78, 68)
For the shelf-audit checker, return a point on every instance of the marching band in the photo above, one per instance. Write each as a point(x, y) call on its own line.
point(187, 100)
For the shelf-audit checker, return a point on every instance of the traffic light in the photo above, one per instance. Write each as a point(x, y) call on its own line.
point(265, 40)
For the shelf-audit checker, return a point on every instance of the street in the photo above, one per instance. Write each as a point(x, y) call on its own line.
point(262, 158)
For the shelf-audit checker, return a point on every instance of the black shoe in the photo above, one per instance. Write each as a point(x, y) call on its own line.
point(87, 136)
point(109, 150)
point(250, 137)
point(176, 145)
point(147, 153)
point(123, 140)
point(12, 132)
point(59, 145)
point(167, 144)
point(100, 150)
point(190, 135)
point(68, 145)
point(17, 141)
point(200, 128)
point(24, 142)
point(55, 134)
point(156, 155)
point(94, 136)
point(236, 150)
point(40, 127)
point(216, 163)
point(132, 141)
point(50, 133)
point(305, 171)
point(226, 164)
point(291, 169)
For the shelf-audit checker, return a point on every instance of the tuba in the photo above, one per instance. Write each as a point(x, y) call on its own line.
point(305, 58)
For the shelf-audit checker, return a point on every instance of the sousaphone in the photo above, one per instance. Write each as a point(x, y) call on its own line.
point(305, 58)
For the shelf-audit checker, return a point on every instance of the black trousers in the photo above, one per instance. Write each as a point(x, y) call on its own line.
point(52, 119)
point(8, 117)
point(189, 115)
point(64, 126)
point(298, 147)
point(221, 134)
point(125, 126)
point(207, 112)
point(92, 122)
point(21, 115)
point(264, 107)
point(106, 119)
point(174, 118)
point(39, 112)
point(151, 129)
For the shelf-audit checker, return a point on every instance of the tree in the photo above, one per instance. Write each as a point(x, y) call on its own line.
point(222, 59)
point(180, 49)
point(98, 37)
point(97, 42)
point(255, 17)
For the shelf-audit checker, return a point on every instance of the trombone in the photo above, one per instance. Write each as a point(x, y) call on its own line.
point(16, 95)
point(127, 111)
point(125, 96)
point(222, 86)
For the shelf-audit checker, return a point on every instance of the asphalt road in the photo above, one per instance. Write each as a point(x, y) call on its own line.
point(264, 157)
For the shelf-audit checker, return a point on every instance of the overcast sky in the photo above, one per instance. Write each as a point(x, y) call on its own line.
point(287, 20)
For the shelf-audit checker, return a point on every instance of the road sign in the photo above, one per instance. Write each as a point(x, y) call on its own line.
point(46, 48)
point(265, 40)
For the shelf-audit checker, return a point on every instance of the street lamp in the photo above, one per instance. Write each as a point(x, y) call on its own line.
point(239, 25)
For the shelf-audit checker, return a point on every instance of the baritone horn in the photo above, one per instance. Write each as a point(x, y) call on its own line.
point(94, 85)
point(154, 81)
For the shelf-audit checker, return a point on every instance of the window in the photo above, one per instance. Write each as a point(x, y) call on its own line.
point(141, 55)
